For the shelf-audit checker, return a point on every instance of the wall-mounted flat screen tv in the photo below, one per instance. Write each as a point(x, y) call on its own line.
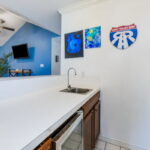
point(20, 51)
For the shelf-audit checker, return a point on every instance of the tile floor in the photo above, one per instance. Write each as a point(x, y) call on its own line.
point(101, 145)
point(74, 142)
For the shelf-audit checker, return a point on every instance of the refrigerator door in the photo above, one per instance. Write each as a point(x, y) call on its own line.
point(71, 136)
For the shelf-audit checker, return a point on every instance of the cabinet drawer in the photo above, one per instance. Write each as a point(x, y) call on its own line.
point(46, 145)
point(90, 104)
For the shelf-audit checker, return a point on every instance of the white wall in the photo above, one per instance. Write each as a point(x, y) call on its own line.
point(124, 75)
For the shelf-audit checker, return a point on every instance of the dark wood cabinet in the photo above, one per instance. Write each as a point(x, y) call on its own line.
point(45, 145)
point(91, 122)
point(97, 121)
point(88, 131)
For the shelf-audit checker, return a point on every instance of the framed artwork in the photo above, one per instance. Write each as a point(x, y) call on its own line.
point(93, 37)
point(123, 37)
point(74, 44)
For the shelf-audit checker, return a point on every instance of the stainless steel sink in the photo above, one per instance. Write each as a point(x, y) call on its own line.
point(76, 90)
point(71, 89)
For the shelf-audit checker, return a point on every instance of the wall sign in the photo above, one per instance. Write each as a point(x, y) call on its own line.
point(93, 37)
point(74, 44)
point(124, 36)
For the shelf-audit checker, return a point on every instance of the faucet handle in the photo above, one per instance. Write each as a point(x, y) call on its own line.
point(69, 86)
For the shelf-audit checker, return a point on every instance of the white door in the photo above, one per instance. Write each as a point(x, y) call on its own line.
point(56, 55)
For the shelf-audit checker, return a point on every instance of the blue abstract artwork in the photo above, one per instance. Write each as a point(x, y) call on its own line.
point(74, 44)
point(93, 37)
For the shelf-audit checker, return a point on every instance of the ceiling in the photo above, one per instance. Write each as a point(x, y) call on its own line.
point(41, 12)
point(11, 21)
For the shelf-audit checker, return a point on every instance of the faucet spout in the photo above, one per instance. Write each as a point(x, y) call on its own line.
point(68, 76)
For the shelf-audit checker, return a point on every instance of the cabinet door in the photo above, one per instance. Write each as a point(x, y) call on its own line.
point(88, 145)
point(97, 120)
point(46, 145)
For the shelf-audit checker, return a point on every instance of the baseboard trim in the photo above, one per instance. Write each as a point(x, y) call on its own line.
point(119, 143)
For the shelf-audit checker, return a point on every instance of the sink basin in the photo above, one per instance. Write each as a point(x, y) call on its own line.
point(76, 90)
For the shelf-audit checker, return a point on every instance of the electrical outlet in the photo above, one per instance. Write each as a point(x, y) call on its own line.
point(42, 65)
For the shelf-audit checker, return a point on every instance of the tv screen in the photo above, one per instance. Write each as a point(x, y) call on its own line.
point(20, 51)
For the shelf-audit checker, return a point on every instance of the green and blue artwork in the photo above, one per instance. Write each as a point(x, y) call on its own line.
point(93, 37)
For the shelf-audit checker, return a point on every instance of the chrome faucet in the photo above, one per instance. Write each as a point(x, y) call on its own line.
point(68, 77)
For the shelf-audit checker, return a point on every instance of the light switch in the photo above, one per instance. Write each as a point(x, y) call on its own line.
point(56, 58)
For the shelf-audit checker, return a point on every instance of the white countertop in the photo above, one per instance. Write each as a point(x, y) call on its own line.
point(27, 120)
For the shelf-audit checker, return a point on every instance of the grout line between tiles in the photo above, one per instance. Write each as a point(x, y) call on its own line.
point(114, 145)
point(125, 148)
point(102, 140)
point(105, 145)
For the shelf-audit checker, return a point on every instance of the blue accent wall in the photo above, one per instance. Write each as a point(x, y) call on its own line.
point(39, 44)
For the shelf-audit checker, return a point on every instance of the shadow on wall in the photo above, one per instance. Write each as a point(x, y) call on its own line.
point(39, 49)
